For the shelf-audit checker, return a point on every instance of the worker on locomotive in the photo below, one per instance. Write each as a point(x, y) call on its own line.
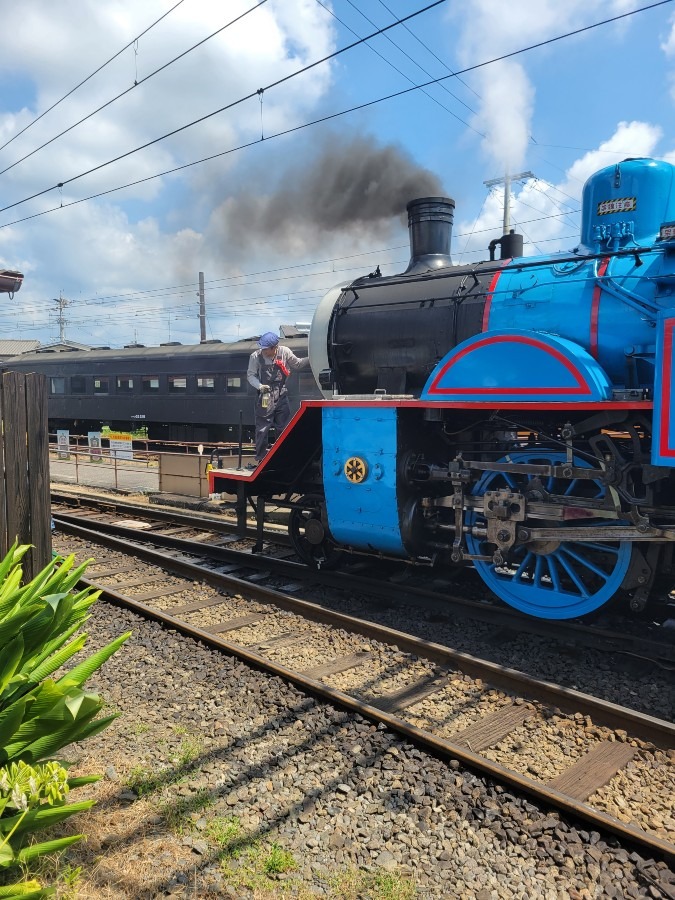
point(268, 368)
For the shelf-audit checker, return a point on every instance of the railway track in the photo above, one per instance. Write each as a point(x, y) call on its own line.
point(458, 594)
point(608, 765)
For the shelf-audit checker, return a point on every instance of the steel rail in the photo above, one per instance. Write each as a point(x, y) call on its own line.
point(438, 745)
point(162, 514)
point(495, 615)
point(648, 728)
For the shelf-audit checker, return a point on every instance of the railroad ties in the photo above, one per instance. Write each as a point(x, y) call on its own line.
point(581, 754)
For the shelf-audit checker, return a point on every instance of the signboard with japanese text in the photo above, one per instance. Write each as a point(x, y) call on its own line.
point(121, 446)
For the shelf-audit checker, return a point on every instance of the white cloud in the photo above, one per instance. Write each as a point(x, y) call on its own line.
point(543, 212)
point(668, 46)
point(629, 139)
point(491, 28)
point(115, 237)
point(164, 231)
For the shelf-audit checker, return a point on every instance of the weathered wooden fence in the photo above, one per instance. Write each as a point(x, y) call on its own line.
point(25, 513)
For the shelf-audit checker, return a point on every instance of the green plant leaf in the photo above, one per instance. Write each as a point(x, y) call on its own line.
point(92, 728)
point(25, 895)
point(57, 660)
point(12, 654)
point(13, 558)
point(42, 626)
point(41, 698)
point(25, 890)
point(52, 579)
point(81, 780)
point(41, 737)
point(52, 646)
point(6, 856)
point(39, 625)
point(79, 674)
point(35, 850)
point(50, 744)
point(37, 587)
point(62, 579)
point(12, 624)
point(46, 738)
point(43, 817)
point(9, 591)
point(10, 719)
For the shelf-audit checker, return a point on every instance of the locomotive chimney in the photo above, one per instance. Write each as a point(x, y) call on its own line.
point(430, 226)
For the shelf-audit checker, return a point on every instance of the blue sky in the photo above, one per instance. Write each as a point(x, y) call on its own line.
point(274, 225)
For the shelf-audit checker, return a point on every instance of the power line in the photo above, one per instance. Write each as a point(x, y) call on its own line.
point(133, 86)
point(95, 72)
point(288, 131)
point(259, 93)
point(428, 48)
point(188, 289)
point(396, 68)
point(239, 303)
point(414, 61)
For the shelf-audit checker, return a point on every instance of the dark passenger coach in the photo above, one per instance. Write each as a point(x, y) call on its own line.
point(179, 392)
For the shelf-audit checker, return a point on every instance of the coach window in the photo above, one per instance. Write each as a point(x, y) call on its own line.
point(78, 384)
point(150, 384)
point(125, 384)
point(57, 385)
point(102, 385)
point(206, 384)
point(235, 384)
point(177, 384)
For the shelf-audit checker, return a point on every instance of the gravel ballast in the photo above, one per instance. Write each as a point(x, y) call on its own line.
point(210, 759)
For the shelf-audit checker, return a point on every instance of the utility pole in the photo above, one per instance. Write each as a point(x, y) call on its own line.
point(61, 303)
point(202, 309)
point(506, 181)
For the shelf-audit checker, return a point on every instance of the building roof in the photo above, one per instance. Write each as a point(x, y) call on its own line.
point(64, 346)
point(14, 348)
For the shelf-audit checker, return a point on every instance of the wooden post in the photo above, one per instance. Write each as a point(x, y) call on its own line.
point(25, 513)
point(38, 471)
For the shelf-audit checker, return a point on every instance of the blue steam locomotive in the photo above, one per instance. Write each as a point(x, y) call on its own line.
point(516, 415)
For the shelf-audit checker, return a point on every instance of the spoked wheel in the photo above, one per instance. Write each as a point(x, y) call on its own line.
point(552, 579)
point(308, 531)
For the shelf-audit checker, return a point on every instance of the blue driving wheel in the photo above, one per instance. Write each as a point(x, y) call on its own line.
point(555, 579)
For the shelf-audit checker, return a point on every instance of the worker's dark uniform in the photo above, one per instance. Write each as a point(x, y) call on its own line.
point(274, 373)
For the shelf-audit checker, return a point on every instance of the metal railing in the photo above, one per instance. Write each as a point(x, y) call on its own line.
point(137, 469)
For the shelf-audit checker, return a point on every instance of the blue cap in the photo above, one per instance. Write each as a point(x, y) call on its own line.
point(269, 339)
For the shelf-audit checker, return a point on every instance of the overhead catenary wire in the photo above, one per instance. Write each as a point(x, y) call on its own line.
point(257, 93)
point(412, 60)
point(429, 50)
point(226, 282)
point(132, 87)
point(90, 76)
point(445, 65)
point(228, 304)
point(400, 71)
point(314, 122)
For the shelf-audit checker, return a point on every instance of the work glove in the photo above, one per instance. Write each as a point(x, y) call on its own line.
point(264, 388)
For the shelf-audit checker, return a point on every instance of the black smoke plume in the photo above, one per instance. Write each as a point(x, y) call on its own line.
point(350, 186)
